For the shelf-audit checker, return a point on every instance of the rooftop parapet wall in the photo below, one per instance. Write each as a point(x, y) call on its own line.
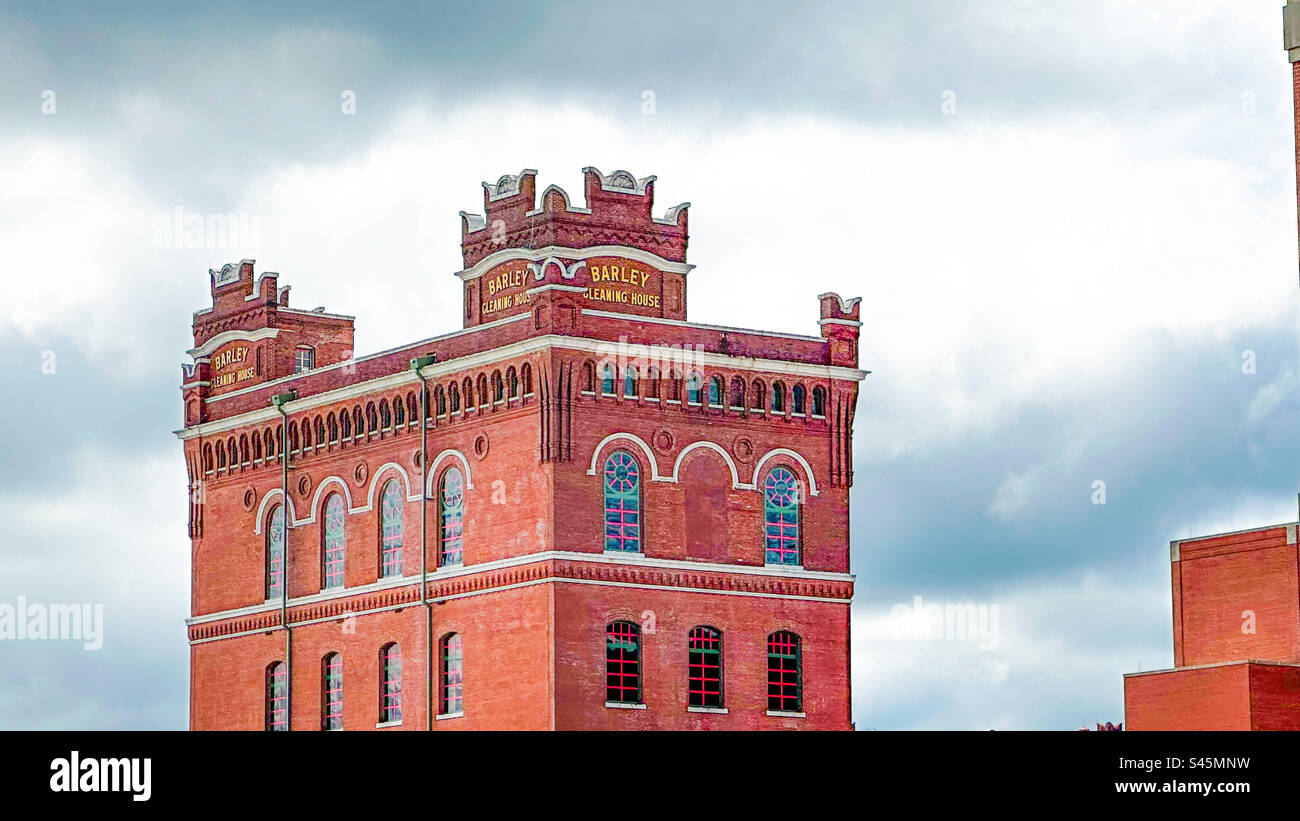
point(617, 212)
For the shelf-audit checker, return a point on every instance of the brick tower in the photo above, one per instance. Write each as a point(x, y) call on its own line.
point(580, 511)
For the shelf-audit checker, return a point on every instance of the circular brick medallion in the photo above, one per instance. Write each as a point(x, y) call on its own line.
point(481, 445)
point(360, 473)
point(743, 448)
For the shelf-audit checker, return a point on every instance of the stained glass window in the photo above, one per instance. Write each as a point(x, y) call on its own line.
point(623, 663)
point(277, 698)
point(390, 683)
point(622, 503)
point(390, 554)
point(275, 554)
point(451, 510)
point(332, 692)
point(704, 667)
point(335, 544)
point(453, 677)
point(781, 517)
point(784, 672)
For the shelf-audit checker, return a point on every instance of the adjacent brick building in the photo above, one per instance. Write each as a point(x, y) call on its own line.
point(1236, 604)
point(611, 517)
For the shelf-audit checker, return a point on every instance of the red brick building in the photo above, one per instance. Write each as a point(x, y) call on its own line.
point(1236, 637)
point(1236, 605)
point(610, 518)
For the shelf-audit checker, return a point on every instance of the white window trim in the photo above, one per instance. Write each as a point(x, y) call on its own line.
point(785, 714)
point(382, 724)
point(722, 711)
point(445, 716)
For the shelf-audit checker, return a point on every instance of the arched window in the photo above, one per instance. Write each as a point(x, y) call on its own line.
point(345, 422)
point(607, 380)
point(622, 503)
point(333, 426)
point(482, 389)
point(467, 387)
point(784, 673)
point(526, 378)
point(390, 545)
point(629, 381)
point(440, 400)
point(331, 692)
point(333, 546)
point(390, 683)
point(399, 411)
point(797, 400)
point(304, 359)
point(452, 676)
point(738, 393)
point(451, 516)
point(275, 553)
point(756, 395)
point(693, 389)
point(588, 377)
point(623, 663)
point(498, 387)
point(652, 382)
point(512, 383)
point(819, 401)
point(781, 517)
point(277, 697)
point(715, 391)
point(704, 667)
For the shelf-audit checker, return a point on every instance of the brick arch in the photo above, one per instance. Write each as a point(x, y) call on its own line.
point(264, 507)
point(655, 476)
point(378, 474)
point(713, 446)
point(449, 453)
point(775, 453)
point(320, 493)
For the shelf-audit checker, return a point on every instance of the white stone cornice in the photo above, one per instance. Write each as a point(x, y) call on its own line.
point(539, 254)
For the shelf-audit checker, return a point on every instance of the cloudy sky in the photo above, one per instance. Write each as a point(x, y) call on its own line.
point(1073, 227)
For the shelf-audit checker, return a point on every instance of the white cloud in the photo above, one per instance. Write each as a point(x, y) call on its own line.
point(1269, 397)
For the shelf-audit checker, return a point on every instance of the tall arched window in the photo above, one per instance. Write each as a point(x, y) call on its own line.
point(451, 517)
point(704, 667)
point(715, 390)
point(629, 381)
point(498, 387)
point(622, 503)
point(819, 401)
point(277, 697)
point(797, 401)
point(334, 543)
point(331, 692)
point(390, 683)
point(781, 517)
point(512, 384)
point(756, 396)
point(455, 397)
point(622, 663)
point(738, 393)
point(693, 389)
point(275, 553)
point(452, 675)
point(607, 380)
point(784, 673)
point(390, 545)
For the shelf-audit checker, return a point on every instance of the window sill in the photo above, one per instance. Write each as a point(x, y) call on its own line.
point(398, 723)
point(785, 714)
point(778, 566)
point(722, 711)
point(651, 399)
point(624, 705)
point(446, 716)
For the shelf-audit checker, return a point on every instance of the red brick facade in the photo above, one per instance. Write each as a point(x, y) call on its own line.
point(1236, 637)
point(519, 404)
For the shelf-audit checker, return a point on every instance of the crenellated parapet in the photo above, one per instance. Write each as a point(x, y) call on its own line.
point(617, 211)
